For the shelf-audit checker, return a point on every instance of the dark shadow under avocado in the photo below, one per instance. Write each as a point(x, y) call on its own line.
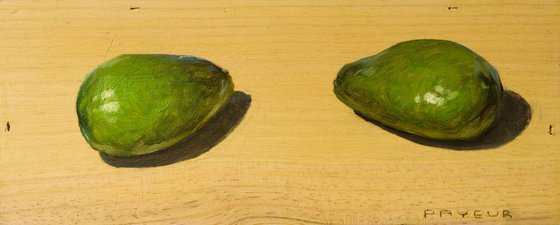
point(209, 135)
point(514, 118)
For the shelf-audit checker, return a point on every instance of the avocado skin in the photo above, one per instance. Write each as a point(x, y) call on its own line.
point(136, 104)
point(435, 89)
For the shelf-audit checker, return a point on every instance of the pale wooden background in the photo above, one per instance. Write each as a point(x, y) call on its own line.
point(299, 156)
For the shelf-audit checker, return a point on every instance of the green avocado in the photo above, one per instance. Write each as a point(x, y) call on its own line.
point(436, 89)
point(141, 103)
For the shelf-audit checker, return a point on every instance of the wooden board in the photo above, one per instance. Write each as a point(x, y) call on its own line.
point(297, 155)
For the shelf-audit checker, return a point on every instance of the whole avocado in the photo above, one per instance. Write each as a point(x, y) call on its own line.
point(140, 103)
point(436, 89)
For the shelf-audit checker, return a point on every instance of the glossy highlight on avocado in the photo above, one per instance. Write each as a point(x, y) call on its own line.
point(435, 89)
point(140, 103)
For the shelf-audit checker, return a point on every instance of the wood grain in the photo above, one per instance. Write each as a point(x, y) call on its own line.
point(299, 156)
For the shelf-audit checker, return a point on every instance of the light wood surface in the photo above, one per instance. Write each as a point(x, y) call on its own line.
point(299, 156)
